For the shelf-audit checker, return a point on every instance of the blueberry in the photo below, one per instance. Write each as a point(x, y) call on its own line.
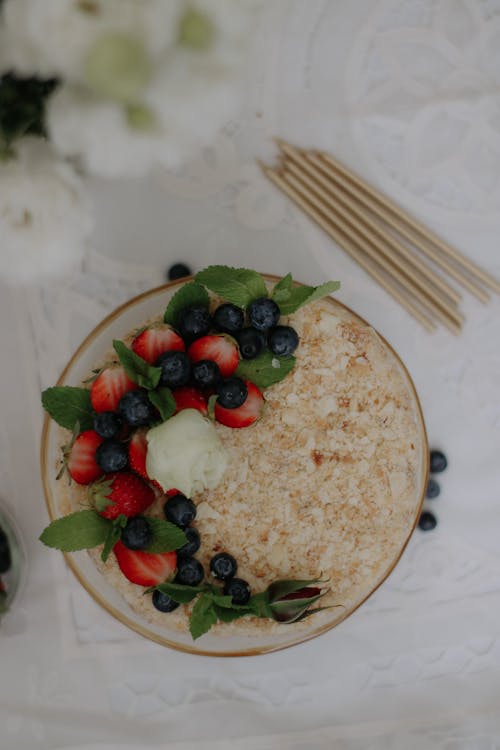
point(194, 322)
point(5, 558)
point(178, 271)
point(111, 456)
point(263, 313)
point(433, 489)
point(223, 566)
point(232, 392)
point(192, 545)
point(206, 373)
point(163, 602)
point(229, 318)
point(439, 462)
point(251, 343)
point(137, 533)
point(238, 589)
point(136, 409)
point(107, 424)
point(180, 510)
point(283, 341)
point(189, 571)
point(175, 369)
point(427, 521)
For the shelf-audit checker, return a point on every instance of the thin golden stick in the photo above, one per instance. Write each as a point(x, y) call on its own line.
point(351, 249)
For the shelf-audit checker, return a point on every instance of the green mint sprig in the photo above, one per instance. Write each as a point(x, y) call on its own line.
point(188, 295)
point(138, 370)
point(237, 285)
point(164, 401)
point(290, 298)
point(68, 406)
point(266, 369)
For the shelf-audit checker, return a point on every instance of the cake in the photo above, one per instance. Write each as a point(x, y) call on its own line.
point(321, 487)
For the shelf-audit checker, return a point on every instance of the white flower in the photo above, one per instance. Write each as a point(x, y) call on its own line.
point(45, 217)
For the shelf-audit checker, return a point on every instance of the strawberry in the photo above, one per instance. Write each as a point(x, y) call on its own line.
point(137, 451)
point(152, 342)
point(188, 397)
point(80, 457)
point(108, 388)
point(145, 568)
point(172, 492)
point(244, 415)
point(219, 348)
point(122, 492)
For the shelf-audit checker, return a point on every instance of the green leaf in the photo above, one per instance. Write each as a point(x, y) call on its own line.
point(179, 592)
point(166, 536)
point(81, 530)
point(3, 602)
point(303, 295)
point(259, 605)
point(136, 367)
point(112, 537)
point(164, 401)
point(282, 289)
point(266, 369)
point(202, 617)
point(222, 600)
point(211, 406)
point(68, 405)
point(237, 285)
point(188, 295)
point(228, 615)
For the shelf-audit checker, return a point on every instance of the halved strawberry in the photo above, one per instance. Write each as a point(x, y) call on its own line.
point(145, 568)
point(80, 457)
point(152, 342)
point(108, 388)
point(246, 414)
point(220, 348)
point(188, 397)
point(137, 452)
point(122, 492)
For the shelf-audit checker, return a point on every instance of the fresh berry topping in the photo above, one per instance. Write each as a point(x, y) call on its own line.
point(193, 322)
point(155, 341)
point(251, 343)
point(175, 369)
point(108, 388)
point(163, 603)
point(178, 271)
point(427, 521)
point(433, 489)
point(244, 415)
point(206, 373)
point(439, 462)
point(81, 462)
point(180, 510)
point(232, 393)
point(189, 571)
point(193, 543)
point(228, 318)
point(238, 589)
point(137, 452)
point(219, 348)
point(136, 534)
point(189, 398)
point(145, 568)
point(263, 313)
point(111, 456)
point(223, 566)
point(119, 493)
point(5, 557)
point(107, 424)
point(283, 341)
point(136, 409)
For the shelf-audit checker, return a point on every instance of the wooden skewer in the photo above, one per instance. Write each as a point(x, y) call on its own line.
point(385, 282)
point(448, 316)
point(400, 255)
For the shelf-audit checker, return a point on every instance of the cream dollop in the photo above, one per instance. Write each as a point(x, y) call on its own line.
point(185, 452)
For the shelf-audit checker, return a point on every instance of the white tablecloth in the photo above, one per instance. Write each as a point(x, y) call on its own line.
point(407, 93)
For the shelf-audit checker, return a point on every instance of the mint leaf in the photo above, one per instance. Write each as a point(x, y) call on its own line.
point(228, 615)
point(166, 536)
point(112, 537)
point(282, 289)
point(211, 406)
point(202, 617)
point(188, 295)
point(164, 401)
point(237, 285)
point(258, 604)
point(266, 369)
point(81, 530)
point(179, 592)
point(222, 600)
point(68, 405)
point(303, 295)
point(136, 367)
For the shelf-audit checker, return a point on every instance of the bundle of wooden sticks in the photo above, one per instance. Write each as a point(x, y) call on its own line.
point(408, 260)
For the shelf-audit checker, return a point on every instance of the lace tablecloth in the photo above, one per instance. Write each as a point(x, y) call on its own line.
point(407, 93)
